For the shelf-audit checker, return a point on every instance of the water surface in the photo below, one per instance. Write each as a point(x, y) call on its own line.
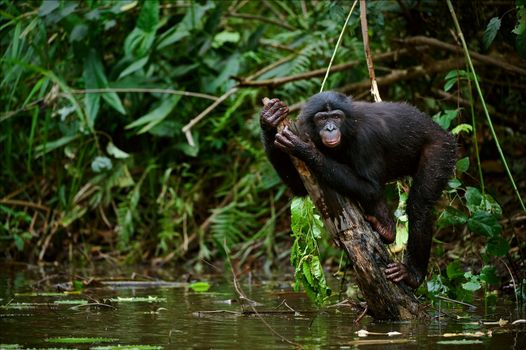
point(173, 316)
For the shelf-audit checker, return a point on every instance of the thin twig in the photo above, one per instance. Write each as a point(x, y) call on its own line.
point(423, 40)
point(515, 289)
point(187, 127)
point(21, 203)
point(456, 301)
point(337, 45)
point(315, 73)
point(367, 50)
point(409, 73)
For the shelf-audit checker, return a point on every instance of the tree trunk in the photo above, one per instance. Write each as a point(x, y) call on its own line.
point(346, 225)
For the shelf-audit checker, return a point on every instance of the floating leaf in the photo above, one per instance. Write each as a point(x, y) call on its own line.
point(80, 340)
point(200, 287)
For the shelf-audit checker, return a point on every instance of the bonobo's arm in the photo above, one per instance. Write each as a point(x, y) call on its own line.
point(339, 176)
point(271, 115)
point(367, 190)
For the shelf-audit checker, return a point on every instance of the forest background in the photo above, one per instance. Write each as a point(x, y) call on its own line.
point(130, 129)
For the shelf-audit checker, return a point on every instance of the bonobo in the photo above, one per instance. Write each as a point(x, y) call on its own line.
point(355, 148)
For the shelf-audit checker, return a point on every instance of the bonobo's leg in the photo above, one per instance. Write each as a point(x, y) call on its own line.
point(380, 220)
point(434, 169)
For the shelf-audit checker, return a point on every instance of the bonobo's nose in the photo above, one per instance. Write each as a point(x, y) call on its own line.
point(330, 127)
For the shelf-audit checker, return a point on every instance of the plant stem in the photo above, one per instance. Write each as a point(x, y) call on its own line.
point(337, 45)
point(484, 107)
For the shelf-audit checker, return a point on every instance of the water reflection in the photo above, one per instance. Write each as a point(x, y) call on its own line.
point(179, 318)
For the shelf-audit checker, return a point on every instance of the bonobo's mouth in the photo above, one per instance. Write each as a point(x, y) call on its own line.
point(331, 142)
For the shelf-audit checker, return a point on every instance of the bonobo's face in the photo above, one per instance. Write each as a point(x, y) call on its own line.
point(328, 124)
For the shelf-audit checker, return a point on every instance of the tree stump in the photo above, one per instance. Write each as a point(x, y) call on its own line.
point(345, 223)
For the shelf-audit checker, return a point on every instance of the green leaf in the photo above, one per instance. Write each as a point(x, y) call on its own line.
point(193, 20)
point(47, 7)
point(435, 286)
point(488, 274)
point(473, 198)
point(445, 118)
point(497, 246)
point(72, 215)
point(451, 217)
point(95, 78)
point(42, 149)
point(149, 16)
point(78, 33)
point(453, 74)
point(138, 43)
point(491, 31)
point(116, 152)
point(463, 165)
point(465, 128)
point(471, 286)
point(484, 223)
point(101, 163)
point(200, 287)
point(475, 201)
point(454, 183)
point(460, 342)
point(80, 340)
point(135, 66)
point(454, 270)
point(19, 242)
point(225, 37)
point(155, 116)
point(306, 269)
point(449, 84)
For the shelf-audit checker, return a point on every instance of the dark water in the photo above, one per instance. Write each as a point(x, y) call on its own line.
point(180, 318)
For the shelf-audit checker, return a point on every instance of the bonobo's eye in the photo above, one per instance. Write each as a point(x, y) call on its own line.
point(320, 117)
point(336, 116)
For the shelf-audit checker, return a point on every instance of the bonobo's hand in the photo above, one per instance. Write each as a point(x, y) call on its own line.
point(272, 114)
point(290, 143)
point(398, 272)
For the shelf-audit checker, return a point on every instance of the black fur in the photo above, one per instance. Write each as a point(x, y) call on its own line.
point(380, 142)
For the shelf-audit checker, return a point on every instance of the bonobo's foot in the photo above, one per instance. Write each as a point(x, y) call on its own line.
point(273, 113)
point(386, 235)
point(398, 272)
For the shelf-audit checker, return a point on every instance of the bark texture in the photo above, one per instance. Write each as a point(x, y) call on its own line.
point(345, 223)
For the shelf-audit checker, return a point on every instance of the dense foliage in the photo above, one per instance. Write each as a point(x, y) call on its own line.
point(109, 150)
